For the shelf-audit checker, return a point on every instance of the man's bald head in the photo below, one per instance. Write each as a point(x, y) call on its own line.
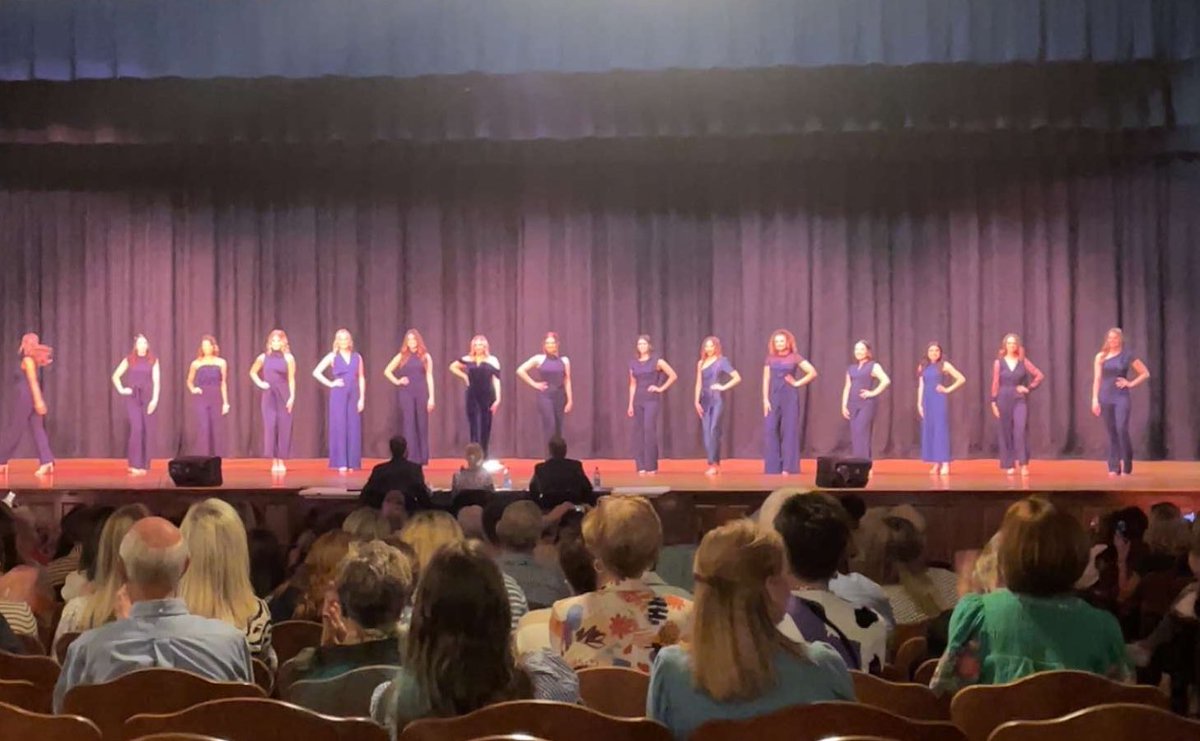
point(154, 555)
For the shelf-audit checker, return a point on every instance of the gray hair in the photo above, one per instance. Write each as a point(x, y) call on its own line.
point(153, 566)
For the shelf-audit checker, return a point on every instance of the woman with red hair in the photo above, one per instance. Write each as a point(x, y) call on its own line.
point(28, 409)
point(414, 393)
point(553, 385)
point(785, 372)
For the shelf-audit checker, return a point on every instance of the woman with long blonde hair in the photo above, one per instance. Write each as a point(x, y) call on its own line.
point(1110, 397)
point(29, 408)
point(206, 380)
point(1013, 377)
point(217, 582)
point(479, 370)
point(737, 664)
point(414, 393)
point(347, 397)
point(277, 363)
point(107, 601)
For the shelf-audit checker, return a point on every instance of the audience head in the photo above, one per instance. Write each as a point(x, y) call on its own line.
point(399, 447)
point(267, 566)
point(394, 509)
point(815, 533)
point(984, 575)
point(459, 645)
point(520, 526)
point(557, 447)
point(741, 593)
point(1128, 522)
point(428, 531)
point(106, 577)
point(367, 523)
point(625, 535)
point(217, 584)
point(73, 530)
point(855, 508)
point(577, 562)
point(769, 509)
point(153, 558)
point(474, 456)
point(1043, 550)
point(319, 572)
point(10, 554)
point(374, 584)
point(1168, 533)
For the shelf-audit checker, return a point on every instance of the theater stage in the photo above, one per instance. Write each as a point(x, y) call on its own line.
point(961, 510)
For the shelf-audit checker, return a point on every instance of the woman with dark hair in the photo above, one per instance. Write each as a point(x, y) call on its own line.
point(553, 385)
point(865, 381)
point(1013, 377)
point(137, 379)
point(479, 370)
point(267, 561)
point(932, 392)
point(28, 408)
point(459, 654)
point(649, 377)
point(785, 371)
point(347, 398)
point(278, 365)
point(1110, 397)
point(414, 393)
point(712, 367)
point(206, 381)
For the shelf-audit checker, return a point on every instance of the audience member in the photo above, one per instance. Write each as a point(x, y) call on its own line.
point(362, 623)
point(22, 578)
point(107, 600)
point(916, 592)
point(394, 509)
point(624, 622)
point(1168, 537)
point(737, 664)
point(1036, 623)
point(397, 474)
point(267, 569)
point(472, 476)
point(159, 632)
point(816, 535)
point(578, 567)
point(459, 654)
point(74, 529)
point(303, 597)
point(9, 642)
point(79, 582)
point(366, 524)
point(517, 534)
point(217, 583)
point(561, 476)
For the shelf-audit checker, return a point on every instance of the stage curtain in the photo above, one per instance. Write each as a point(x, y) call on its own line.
point(678, 242)
point(666, 105)
point(104, 39)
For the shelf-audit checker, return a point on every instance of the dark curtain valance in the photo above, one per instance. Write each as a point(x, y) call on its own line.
point(714, 103)
point(89, 39)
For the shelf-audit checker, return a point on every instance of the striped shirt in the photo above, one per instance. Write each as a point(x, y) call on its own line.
point(20, 618)
point(60, 568)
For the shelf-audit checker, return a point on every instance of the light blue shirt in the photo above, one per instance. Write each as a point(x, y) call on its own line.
point(676, 702)
point(157, 633)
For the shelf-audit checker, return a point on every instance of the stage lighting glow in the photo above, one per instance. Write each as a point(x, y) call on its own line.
point(493, 465)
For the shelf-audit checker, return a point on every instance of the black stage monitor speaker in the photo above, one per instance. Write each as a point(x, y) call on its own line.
point(842, 473)
point(195, 470)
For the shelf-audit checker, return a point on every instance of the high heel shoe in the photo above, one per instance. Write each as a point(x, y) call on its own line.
point(45, 469)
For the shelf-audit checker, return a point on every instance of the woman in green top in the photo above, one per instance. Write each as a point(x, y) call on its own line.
point(1036, 624)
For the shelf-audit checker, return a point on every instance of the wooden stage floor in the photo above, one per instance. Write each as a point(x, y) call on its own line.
point(742, 476)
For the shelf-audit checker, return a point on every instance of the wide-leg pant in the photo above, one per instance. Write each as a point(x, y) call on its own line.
point(862, 422)
point(414, 425)
point(479, 420)
point(781, 439)
point(551, 408)
point(1012, 432)
point(210, 428)
point(137, 450)
point(277, 425)
point(645, 434)
point(23, 417)
point(345, 428)
point(710, 425)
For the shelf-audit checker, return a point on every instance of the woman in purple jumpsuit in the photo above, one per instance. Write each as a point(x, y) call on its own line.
point(480, 372)
point(137, 379)
point(785, 372)
point(553, 385)
point(712, 367)
point(649, 377)
point(28, 407)
point(1110, 397)
point(1013, 377)
point(414, 393)
point(933, 407)
point(347, 394)
point(858, 397)
point(206, 383)
point(274, 372)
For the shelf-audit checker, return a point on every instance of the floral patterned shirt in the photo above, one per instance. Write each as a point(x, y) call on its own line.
point(622, 624)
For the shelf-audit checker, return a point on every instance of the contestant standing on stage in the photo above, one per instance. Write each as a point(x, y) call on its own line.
point(347, 395)
point(649, 377)
point(414, 393)
point(785, 372)
point(28, 407)
point(206, 381)
point(1013, 377)
point(858, 397)
point(274, 371)
point(932, 393)
point(712, 367)
point(137, 379)
point(1110, 397)
point(480, 371)
point(553, 385)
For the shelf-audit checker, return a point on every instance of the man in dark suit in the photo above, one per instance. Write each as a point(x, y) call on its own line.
point(561, 477)
point(398, 474)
